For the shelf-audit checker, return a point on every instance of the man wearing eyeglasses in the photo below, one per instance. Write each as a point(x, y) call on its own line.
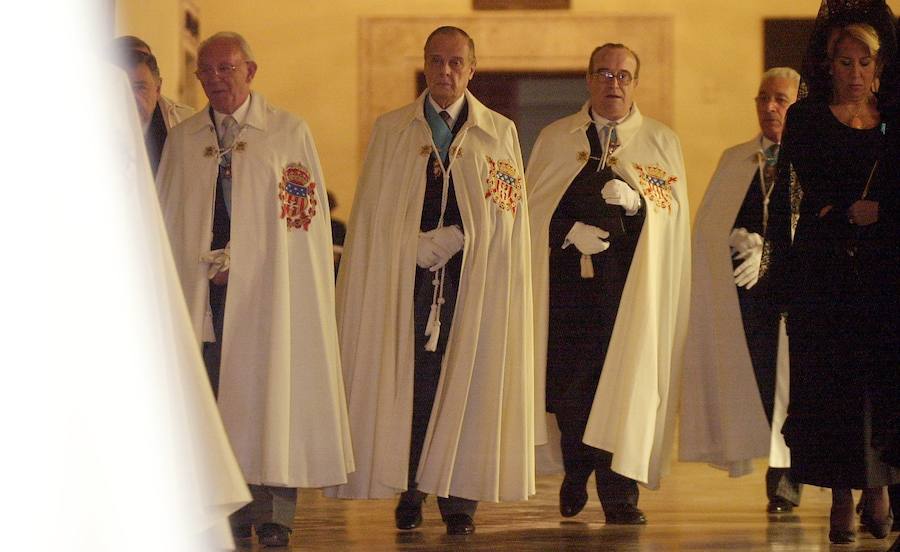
point(434, 306)
point(610, 241)
point(736, 375)
point(157, 113)
point(245, 205)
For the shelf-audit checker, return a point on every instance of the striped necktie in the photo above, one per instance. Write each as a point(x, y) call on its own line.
point(611, 136)
point(230, 130)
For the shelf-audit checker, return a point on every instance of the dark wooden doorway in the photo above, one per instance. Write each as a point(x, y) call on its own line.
point(531, 99)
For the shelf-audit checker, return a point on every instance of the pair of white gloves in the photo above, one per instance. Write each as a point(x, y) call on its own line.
point(436, 247)
point(590, 240)
point(748, 247)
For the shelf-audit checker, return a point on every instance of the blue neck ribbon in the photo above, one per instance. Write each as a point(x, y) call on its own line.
point(441, 135)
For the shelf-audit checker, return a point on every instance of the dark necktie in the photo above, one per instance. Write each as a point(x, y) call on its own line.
point(446, 118)
point(222, 210)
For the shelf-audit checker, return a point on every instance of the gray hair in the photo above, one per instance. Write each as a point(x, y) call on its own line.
point(450, 30)
point(230, 36)
point(781, 73)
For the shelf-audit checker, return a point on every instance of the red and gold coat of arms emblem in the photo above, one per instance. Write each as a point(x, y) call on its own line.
point(656, 185)
point(504, 184)
point(297, 193)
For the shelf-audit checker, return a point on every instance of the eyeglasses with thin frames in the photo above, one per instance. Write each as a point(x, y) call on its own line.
point(624, 77)
point(224, 70)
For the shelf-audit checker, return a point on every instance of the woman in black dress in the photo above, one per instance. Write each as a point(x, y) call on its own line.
point(840, 272)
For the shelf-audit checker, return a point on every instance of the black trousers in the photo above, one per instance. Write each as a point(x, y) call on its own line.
point(212, 352)
point(580, 460)
point(761, 323)
point(426, 376)
point(780, 485)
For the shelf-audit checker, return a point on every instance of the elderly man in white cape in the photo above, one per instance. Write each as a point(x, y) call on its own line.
point(438, 359)
point(735, 387)
point(610, 227)
point(244, 202)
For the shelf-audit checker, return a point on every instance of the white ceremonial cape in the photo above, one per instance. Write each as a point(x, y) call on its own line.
point(633, 414)
point(480, 439)
point(722, 417)
point(174, 112)
point(280, 393)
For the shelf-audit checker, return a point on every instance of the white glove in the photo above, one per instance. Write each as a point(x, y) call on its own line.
point(746, 246)
point(436, 247)
point(219, 260)
point(740, 240)
point(617, 192)
point(587, 239)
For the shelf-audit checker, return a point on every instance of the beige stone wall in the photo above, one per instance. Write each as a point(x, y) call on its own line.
point(311, 61)
point(158, 23)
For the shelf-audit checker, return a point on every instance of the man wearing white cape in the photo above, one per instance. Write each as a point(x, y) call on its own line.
point(610, 237)
point(735, 386)
point(244, 202)
point(438, 359)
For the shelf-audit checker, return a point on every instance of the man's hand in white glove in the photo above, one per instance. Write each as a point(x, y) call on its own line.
point(747, 247)
point(740, 240)
point(438, 246)
point(617, 192)
point(589, 240)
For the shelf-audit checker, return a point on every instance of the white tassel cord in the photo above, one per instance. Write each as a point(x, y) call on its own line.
point(433, 327)
point(587, 267)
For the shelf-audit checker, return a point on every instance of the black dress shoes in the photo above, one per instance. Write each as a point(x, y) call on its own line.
point(779, 505)
point(408, 515)
point(624, 514)
point(572, 498)
point(459, 524)
point(273, 534)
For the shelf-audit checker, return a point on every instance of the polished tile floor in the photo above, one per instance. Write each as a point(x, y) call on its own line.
point(697, 509)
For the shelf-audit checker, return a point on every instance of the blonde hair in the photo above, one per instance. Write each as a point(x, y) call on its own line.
point(861, 32)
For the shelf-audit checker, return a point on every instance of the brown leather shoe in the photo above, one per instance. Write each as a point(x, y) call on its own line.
point(624, 514)
point(273, 534)
point(460, 524)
